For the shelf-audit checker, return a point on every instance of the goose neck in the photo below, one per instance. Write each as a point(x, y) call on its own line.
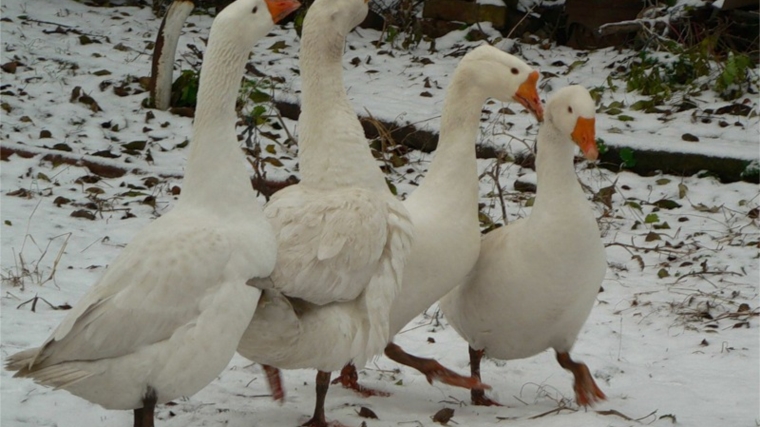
point(557, 181)
point(215, 162)
point(333, 150)
point(321, 66)
point(454, 166)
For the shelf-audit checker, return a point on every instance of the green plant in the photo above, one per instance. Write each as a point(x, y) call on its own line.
point(735, 74)
point(626, 155)
point(601, 146)
point(185, 89)
point(402, 28)
point(686, 71)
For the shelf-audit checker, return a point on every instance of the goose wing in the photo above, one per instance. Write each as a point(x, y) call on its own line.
point(331, 243)
point(161, 282)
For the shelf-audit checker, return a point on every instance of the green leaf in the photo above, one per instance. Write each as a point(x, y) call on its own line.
point(575, 65)
point(651, 218)
point(663, 273)
point(8, 222)
point(666, 204)
point(258, 97)
point(613, 111)
point(663, 226)
point(601, 146)
point(625, 118)
point(391, 187)
point(633, 205)
point(277, 46)
point(662, 181)
point(626, 155)
point(132, 193)
point(644, 104)
point(258, 111)
point(616, 104)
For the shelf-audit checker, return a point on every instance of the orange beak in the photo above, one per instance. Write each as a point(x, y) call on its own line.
point(281, 8)
point(584, 135)
point(527, 95)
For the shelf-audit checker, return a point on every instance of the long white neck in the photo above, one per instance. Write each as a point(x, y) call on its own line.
point(215, 164)
point(558, 186)
point(333, 151)
point(453, 173)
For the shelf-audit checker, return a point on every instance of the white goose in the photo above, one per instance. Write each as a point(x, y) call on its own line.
point(444, 208)
point(343, 237)
point(536, 280)
point(166, 316)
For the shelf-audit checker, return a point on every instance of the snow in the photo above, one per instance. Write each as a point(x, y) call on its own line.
point(666, 340)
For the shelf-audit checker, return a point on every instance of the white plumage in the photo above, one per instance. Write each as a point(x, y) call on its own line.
point(537, 278)
point(444, 209)
point(343, 237)
point(166, 316)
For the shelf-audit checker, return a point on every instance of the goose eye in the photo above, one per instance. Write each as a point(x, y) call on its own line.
point(570, 110)
point(255, 9)
point(515, 71)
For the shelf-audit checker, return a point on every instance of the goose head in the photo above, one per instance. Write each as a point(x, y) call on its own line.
point(249, 20)
point(572, 111)
point(343, 15)
point(504, 77)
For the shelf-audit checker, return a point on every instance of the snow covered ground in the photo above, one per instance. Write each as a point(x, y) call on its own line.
point(673, 338)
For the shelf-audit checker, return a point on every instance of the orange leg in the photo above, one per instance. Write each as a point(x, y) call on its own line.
point(478, 396)
point(350, 379)
point(586, 391)
point(432, 369)
point(275, 383)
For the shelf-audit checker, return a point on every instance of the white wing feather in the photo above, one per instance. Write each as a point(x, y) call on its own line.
point(331, 244)
point(143, 300)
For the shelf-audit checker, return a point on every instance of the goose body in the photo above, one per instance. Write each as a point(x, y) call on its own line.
point(343, 237)
point(536, 279)
point(444, 209)
point(166, 316)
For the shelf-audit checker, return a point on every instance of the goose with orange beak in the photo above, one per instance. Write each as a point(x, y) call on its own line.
point(527, 95)
point(444, 208)
point(166, 316)
point(536, 279)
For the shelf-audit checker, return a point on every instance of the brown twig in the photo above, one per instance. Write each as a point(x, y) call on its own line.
point(553, 411)
point(699, 273)
point(509, 35)
point(645, 249)
point(624, 416)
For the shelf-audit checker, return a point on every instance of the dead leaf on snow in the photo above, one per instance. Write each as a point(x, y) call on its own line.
point(10, 67)
point(443, 416)
point(81, 213)
point(365, 412)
